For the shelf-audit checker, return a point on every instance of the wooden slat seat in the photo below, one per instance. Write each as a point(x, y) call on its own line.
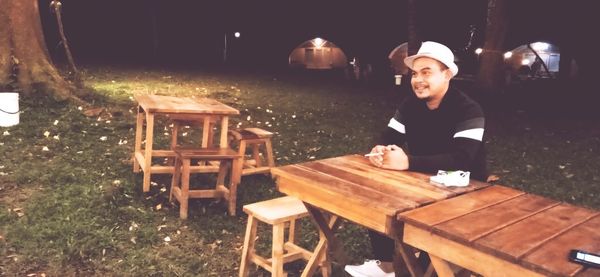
point(500, 231)
point(229, 161)
point(256, 139)
point(280, 213)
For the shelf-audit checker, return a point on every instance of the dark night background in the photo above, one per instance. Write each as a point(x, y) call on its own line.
point(191, 33)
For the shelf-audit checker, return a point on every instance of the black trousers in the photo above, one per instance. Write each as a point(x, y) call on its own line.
point(384, 247)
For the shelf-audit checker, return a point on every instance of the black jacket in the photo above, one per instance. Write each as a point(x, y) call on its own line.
point(447, 138)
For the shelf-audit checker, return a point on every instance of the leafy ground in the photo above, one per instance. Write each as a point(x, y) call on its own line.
point(70, 204)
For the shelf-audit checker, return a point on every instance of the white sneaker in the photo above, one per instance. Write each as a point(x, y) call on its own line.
point(368, 269)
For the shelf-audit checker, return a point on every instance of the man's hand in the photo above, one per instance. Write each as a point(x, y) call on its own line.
point(377, 160)
point(394, 158)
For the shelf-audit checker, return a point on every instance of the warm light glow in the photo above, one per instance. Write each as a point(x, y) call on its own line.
point(540, 46)
point(507, 55)
point(525, 62)
point(478, 51)
point(236, 34)
point(318, 42)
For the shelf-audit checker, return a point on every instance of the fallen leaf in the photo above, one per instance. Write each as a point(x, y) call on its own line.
point(93, 112)
point(493, 178)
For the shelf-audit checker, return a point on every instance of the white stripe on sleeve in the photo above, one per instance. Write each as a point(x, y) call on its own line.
point(476, 134)
point(394, 124)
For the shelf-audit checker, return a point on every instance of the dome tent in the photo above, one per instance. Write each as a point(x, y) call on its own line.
point(318, 53)
point(523, 56)
point(396, 58)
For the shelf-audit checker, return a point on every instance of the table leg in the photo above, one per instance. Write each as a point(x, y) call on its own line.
point(319, 257)
point(327, 240)
point(148, 151)
point(224, 126)
point(138, 138)
point(442, 268)
point(206, 132)
point(407, 261)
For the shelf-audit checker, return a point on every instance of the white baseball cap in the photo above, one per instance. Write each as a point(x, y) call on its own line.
point(437, 51)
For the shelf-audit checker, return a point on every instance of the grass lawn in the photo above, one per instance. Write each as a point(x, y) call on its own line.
point(70, 204)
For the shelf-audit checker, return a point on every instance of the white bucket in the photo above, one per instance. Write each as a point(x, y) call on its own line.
point(398, 79)
point(9, 109)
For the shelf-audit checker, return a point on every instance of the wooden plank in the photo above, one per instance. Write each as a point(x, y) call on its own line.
point(277, 210)
point(589, 272)
point(207, 153)
point(343, 189)
point(396, 181)
point(348, 188)
point(518, 239)
point(424, 178)
point(442, 211)
point(257, 132)
point(373, 182)
point(183, 105)
point(356, 209)
point(462, 255)
point(472, 226)
point(552, 256)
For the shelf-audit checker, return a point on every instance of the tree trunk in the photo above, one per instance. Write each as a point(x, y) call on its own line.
point(491, 70)
point(24, 61)
point(413, 40)
point(413, 35)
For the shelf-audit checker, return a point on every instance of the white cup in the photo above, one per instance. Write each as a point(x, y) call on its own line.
point(398, 79)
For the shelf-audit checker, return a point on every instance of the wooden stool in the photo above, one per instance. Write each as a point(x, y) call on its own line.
point(180, 184)
point(277, 212)
point(254, 137)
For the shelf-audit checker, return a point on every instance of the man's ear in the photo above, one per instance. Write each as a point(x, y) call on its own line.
point(448, 74)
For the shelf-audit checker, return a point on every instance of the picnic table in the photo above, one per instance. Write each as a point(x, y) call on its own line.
point(180, 108)
point(500, 231)
point(350, 187)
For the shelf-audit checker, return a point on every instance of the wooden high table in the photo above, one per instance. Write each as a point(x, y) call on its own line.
point(351, 188)
point(500, 231)
point(182, 108)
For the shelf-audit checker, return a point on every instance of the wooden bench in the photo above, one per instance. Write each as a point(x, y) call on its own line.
point(229, 160)
point(500, 231)
point(254, 138)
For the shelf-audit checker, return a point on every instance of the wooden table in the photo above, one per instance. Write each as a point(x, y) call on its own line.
point(351, 188)
point(182, 108)
point(500, 231)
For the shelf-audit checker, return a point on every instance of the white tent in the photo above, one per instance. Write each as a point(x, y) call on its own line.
point(397, 59)
point(318, 54)
point(522, 56)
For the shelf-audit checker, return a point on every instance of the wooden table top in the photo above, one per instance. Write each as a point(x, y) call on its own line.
point(352, 188)
point(532, 231)
point(172, 104)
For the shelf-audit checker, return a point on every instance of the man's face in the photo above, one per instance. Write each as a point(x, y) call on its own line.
point(430, 79)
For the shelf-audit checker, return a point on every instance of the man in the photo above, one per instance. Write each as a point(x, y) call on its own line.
point(442, 129)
